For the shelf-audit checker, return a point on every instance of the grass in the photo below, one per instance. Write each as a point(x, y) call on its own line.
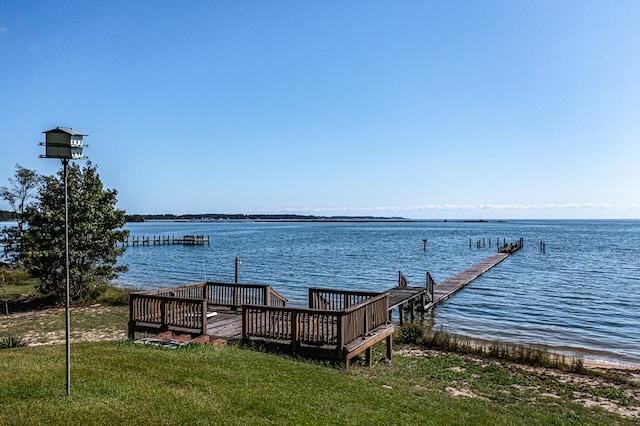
point(119, 382)
point(34, 320)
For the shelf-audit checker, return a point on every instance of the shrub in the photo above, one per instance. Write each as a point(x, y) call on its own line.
point(112, 295)
point(411, 333)
point(10, 342)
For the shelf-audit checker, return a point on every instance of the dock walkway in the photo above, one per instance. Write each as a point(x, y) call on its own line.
point(451, 285)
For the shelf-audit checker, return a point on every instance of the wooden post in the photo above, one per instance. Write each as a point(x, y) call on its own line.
point(389, 347)
point(294, 331)
point(237, 266)
point(265, 295)
point(203, 329)
point(368, 356)
point(400, 313)
point(430, 284)
point(367, 318)
point(132, 316)
point(235, 297)
point(245, 322)
point(164, 315)
point(425, 245)
point(339, 331)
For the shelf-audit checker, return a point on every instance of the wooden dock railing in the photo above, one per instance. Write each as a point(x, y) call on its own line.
point(236, 295)
point(184, 308)
point(327, 332)
point(335, 300)
point(154, 313)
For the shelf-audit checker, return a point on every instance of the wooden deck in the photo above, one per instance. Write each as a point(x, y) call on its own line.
point(339, 324)
point(225, 325)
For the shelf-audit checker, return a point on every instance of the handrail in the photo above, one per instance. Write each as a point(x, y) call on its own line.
point(335, 300)
point(167, 312)
point(185, 307)
point(301, 326)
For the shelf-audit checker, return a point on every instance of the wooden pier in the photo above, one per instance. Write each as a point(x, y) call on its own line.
point(186, 240)
point(446, 288)
point(427, 298)
point(338, 324)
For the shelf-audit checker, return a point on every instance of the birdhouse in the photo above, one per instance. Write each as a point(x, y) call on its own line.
point(63, 142)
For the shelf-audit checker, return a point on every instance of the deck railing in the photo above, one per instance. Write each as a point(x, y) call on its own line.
point(332, 329)
point(184, 308)
point(156, 312)
point(358, 321)
point(335, 300)
point(236, 295)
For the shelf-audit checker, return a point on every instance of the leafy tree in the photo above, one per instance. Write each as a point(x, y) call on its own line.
point(18, 194)
point(95, 227)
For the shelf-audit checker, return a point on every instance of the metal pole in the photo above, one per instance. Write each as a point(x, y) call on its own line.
point(65, 162)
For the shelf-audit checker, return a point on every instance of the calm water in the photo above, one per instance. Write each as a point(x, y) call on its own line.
point(582, 295)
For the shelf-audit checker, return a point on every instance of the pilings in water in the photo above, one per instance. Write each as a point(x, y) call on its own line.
point(484, 242)
point(186, 240)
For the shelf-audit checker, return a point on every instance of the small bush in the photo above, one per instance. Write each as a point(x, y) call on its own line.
point(15, 276)
point(112, 295)
point(411, 333)
point(10, 342)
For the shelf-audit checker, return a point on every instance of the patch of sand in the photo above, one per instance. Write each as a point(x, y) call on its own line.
point(595, 387)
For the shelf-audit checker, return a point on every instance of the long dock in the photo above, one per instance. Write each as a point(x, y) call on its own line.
point(433, 294)
point(452, 285)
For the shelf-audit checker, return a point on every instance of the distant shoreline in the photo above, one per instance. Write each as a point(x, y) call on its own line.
point(289, 219)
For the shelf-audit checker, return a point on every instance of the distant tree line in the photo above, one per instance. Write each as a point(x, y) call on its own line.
point(6, 216)
point(265, 217)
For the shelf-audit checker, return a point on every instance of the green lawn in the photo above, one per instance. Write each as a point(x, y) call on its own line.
point(118, 382)
point(125, 383)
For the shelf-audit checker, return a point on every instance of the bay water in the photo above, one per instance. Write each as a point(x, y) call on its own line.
point(581, 295)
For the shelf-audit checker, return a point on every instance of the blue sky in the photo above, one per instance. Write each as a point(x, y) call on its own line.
point(449, 109)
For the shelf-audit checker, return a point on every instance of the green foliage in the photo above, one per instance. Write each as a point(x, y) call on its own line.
point(18, 194)
point(14, 276)
point(114, 296)
point(94, 229)
point(411, 333)
point(11, 342)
